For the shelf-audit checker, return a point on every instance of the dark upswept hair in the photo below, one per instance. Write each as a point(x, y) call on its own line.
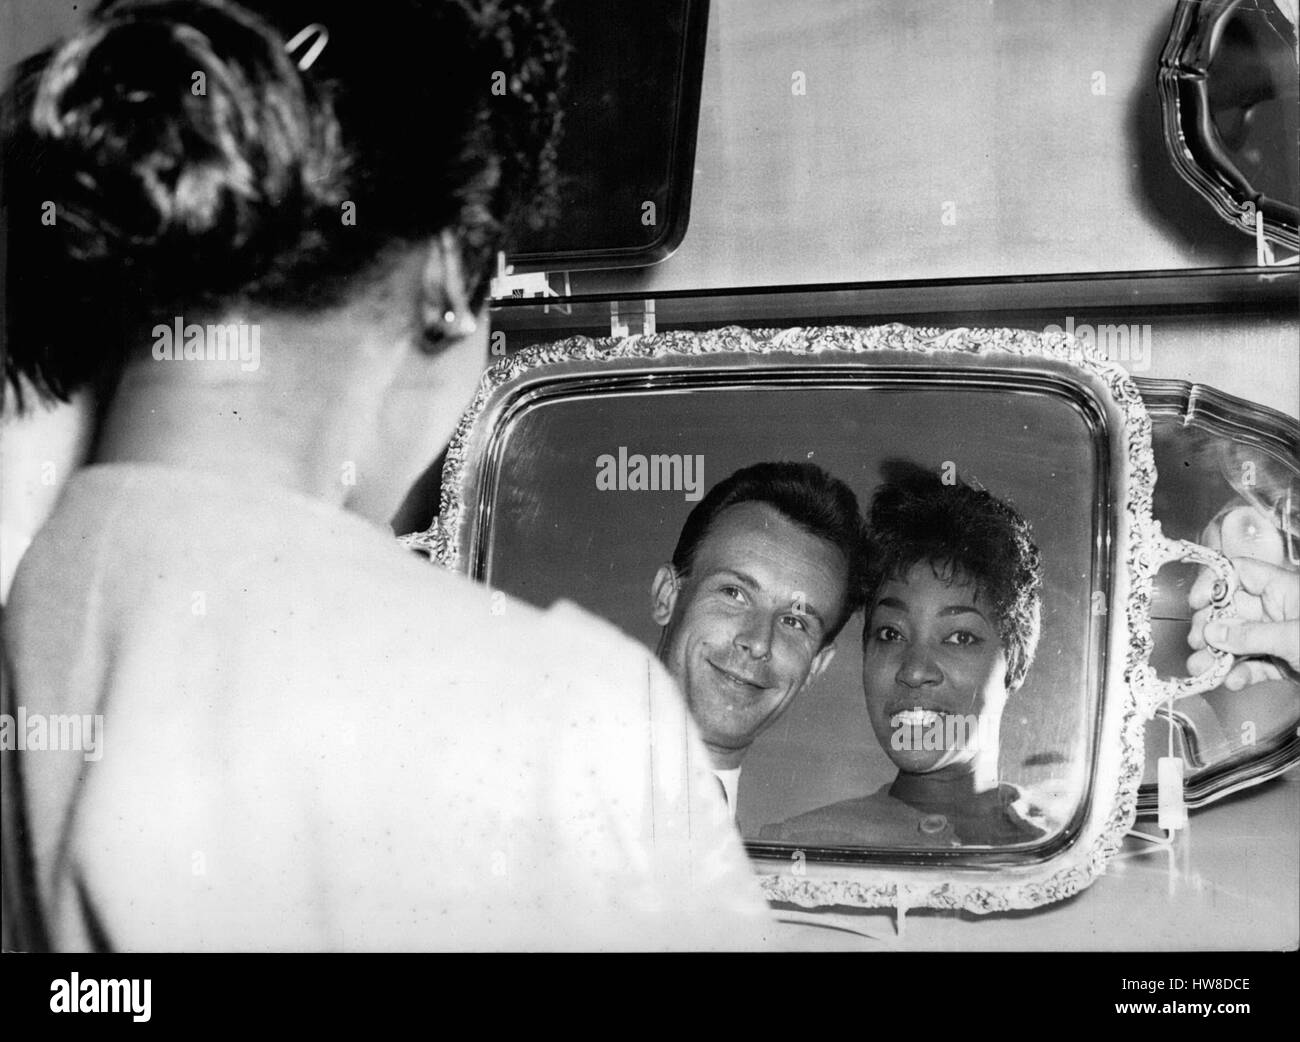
point(963, 533)
point(172, 189)
point(803, 493)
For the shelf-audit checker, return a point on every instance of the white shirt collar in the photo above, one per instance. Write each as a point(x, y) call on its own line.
point(731, 783)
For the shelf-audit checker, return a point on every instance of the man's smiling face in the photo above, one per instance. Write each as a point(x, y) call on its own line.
point(743, 632)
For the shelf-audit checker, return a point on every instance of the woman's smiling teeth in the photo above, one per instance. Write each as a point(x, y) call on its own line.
point(916, 717)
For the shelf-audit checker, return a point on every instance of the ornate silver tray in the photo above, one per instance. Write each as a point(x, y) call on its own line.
point(1228, 86)
point(1223, 462)
point(528, 505)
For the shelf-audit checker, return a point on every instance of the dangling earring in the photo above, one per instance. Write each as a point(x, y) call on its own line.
point(450, 325)
point(447, 311)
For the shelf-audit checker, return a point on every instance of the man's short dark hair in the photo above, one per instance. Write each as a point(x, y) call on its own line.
point(804, 494)
point(963, 533)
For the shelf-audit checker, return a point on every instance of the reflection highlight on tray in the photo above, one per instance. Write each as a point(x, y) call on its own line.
point(1252, 97)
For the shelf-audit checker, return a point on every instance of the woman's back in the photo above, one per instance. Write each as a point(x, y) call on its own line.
point(312, 739)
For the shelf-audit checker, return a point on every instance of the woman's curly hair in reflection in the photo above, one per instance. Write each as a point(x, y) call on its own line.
point(171, 152)
point(965, 535)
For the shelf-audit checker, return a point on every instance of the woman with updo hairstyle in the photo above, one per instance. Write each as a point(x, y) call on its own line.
point(259, 237)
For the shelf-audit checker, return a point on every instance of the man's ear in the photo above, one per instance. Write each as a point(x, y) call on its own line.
point(445, 290)
point(819, 663)
point(663, 594)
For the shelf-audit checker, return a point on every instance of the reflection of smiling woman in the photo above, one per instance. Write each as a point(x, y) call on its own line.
point(952, 592)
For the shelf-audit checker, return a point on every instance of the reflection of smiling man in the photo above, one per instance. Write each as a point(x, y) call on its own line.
point(760, 584)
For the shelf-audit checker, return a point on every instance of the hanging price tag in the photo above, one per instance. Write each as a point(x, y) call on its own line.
point(1171, 811)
